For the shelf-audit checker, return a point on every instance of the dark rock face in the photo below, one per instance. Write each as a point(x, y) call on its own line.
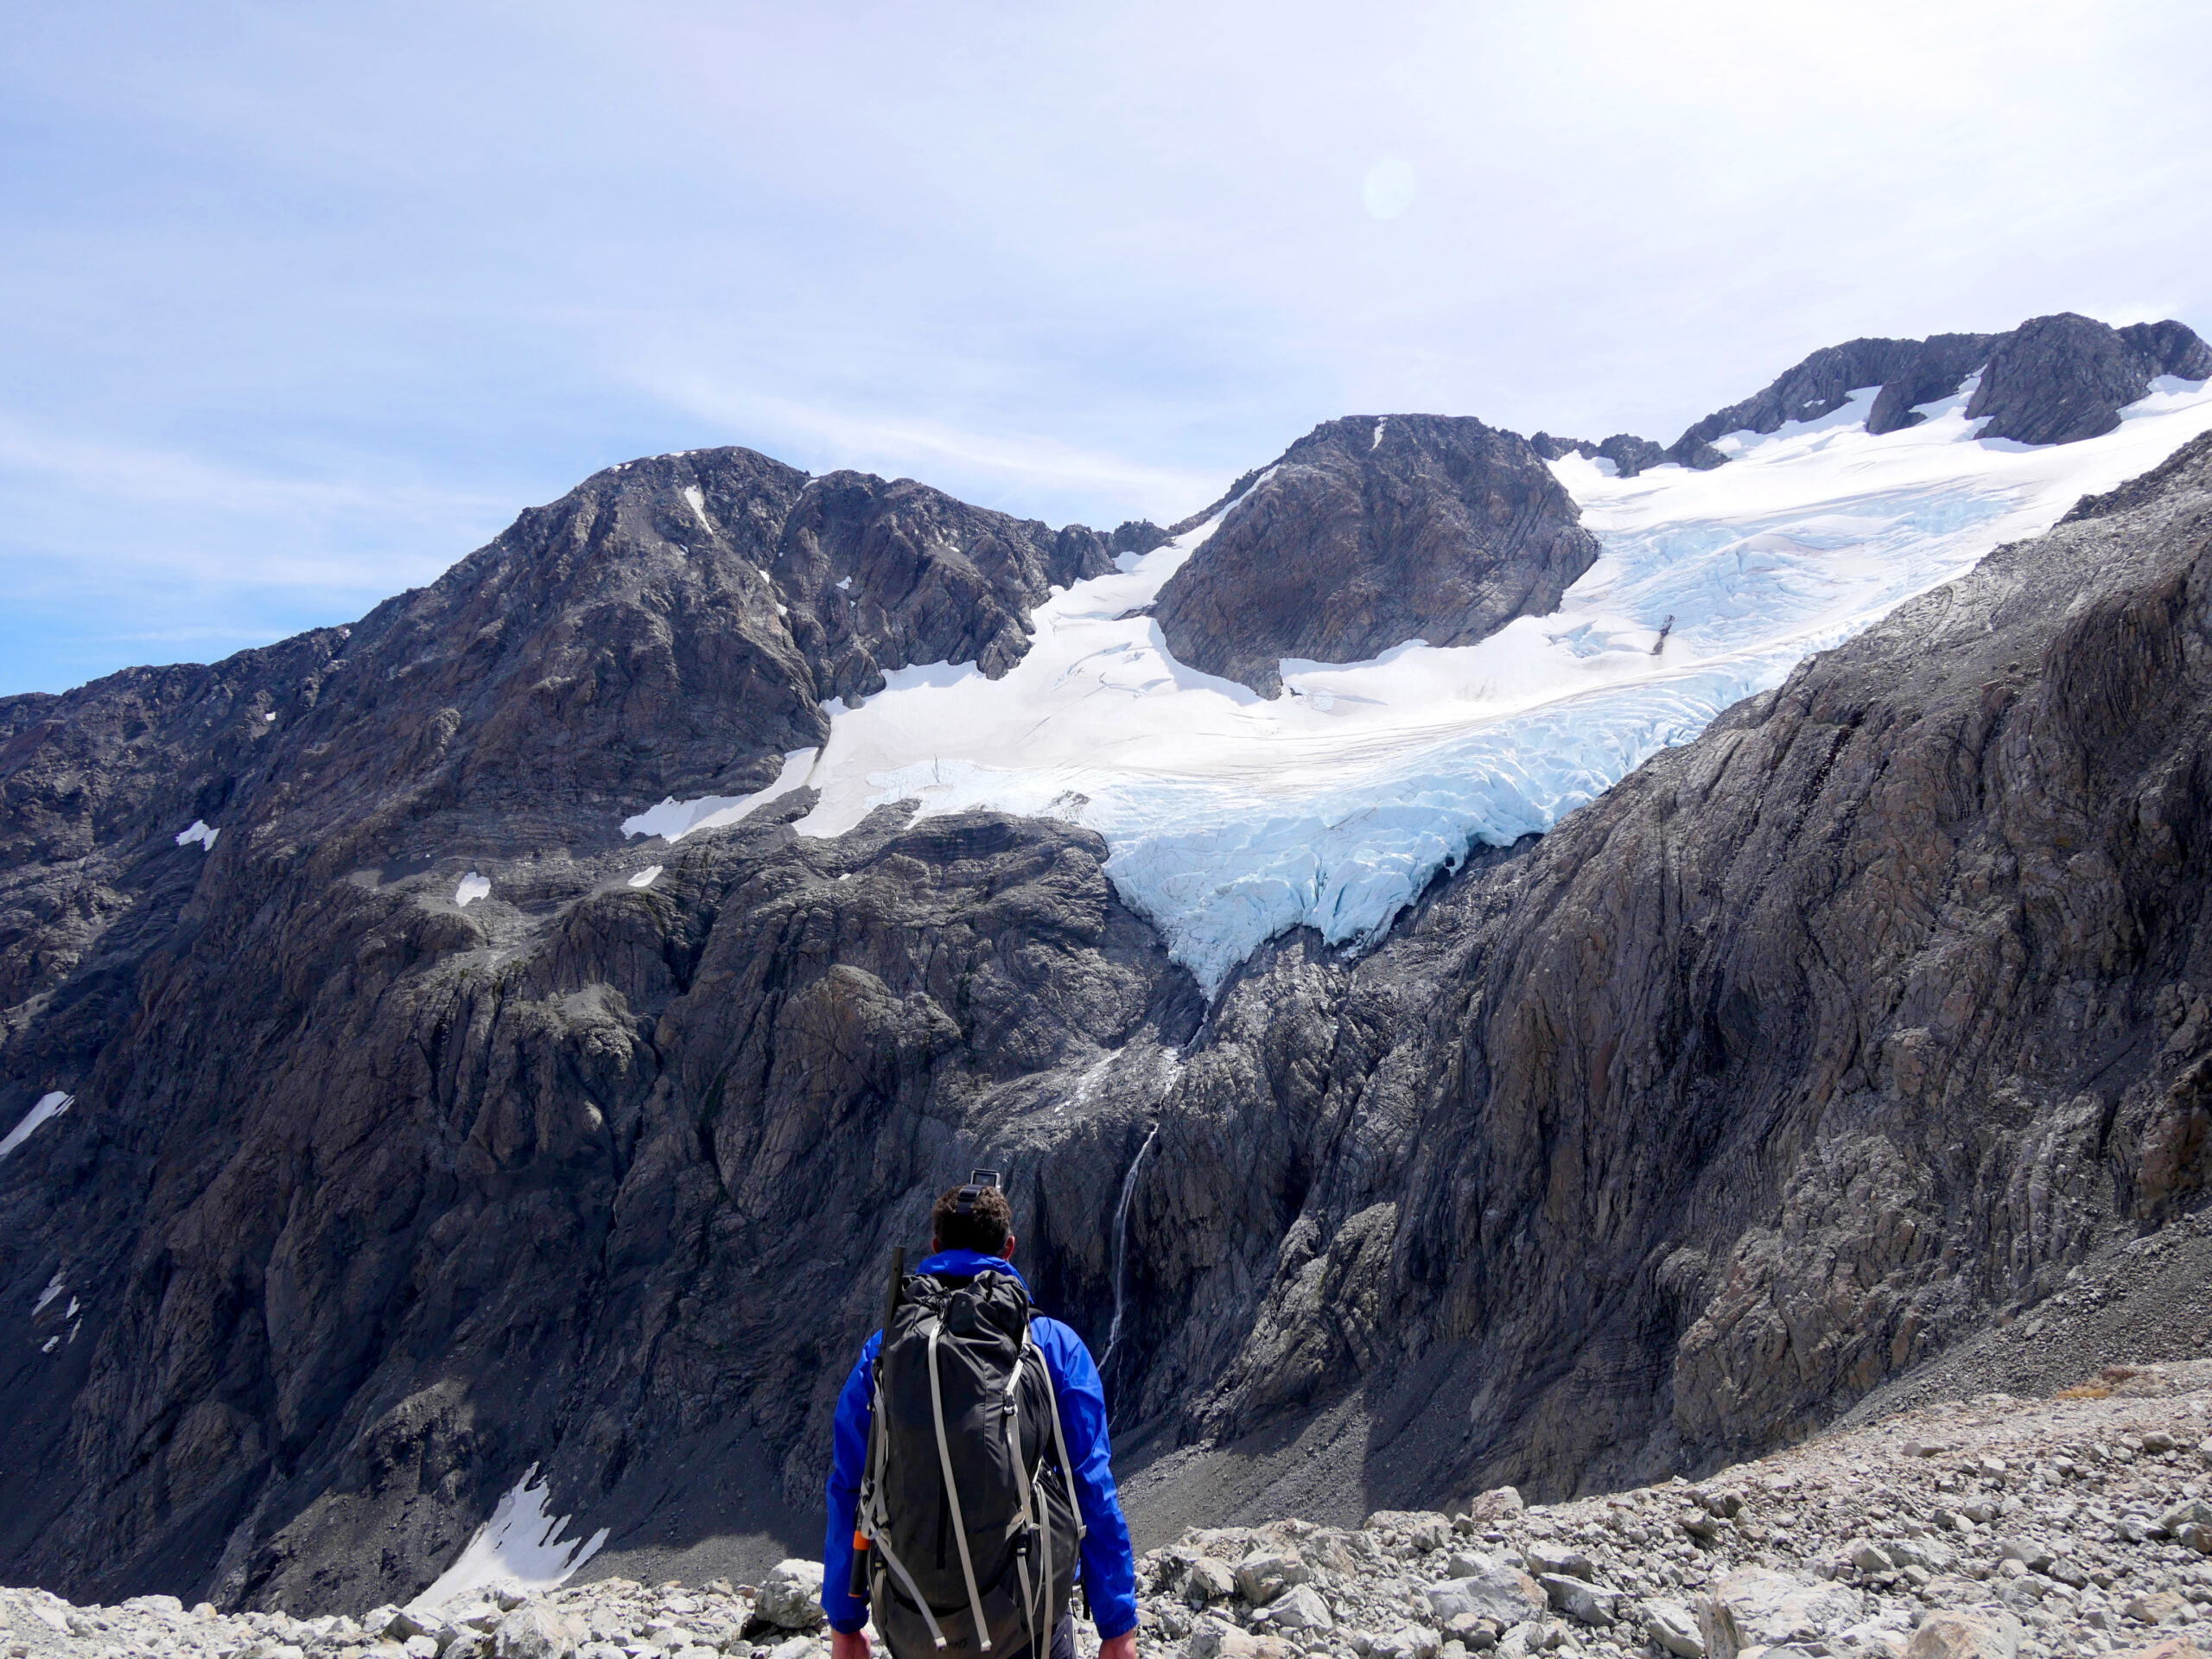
point(1934, 371)
point(1629, 454)
point(344, 1183)
point(881, 576)
point(2053, 379)
point(1368, 534)
point(1758, 1080)
point(1803, 1053)
point(1820, 385)
point(2059, 379)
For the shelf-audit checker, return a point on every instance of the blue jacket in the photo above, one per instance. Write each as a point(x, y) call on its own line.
point(1107, 1569)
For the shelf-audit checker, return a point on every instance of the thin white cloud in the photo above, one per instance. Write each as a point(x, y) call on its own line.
point(874, 444)
point(157, 475)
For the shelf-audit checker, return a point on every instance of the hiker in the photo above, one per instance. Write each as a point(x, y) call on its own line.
point(1008, 1404)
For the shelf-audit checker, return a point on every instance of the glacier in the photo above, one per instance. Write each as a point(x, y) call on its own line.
point(1230, 819)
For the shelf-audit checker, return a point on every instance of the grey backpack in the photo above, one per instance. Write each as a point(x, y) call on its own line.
point(966, 1504)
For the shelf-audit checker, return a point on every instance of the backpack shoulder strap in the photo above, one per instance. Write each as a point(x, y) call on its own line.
point(1059, 1437)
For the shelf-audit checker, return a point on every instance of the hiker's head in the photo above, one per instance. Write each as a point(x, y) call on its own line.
point(969, 1218)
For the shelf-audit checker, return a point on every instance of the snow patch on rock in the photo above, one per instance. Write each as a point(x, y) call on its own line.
point(51, 1104)
point(673, 819)
point(521, 1545)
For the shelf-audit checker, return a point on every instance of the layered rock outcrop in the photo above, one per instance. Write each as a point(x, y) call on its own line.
point(2059, 379)
point(2053, 379)
point(1369, 533)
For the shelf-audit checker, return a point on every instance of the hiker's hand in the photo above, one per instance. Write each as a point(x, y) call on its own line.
point(1123, 1646)
point(845, 1645)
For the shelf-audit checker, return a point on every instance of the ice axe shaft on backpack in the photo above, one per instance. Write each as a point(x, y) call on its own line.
point(859, 1586)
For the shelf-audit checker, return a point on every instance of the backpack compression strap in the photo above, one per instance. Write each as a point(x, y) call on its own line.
point(1035, 1514)
point(873, 1519)
point(952, 1495)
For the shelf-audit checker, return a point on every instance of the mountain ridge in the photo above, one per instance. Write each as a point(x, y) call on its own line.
point(379, 1190)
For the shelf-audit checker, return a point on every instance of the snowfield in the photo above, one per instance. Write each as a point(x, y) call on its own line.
point(1231, 818)
point(523, 1545)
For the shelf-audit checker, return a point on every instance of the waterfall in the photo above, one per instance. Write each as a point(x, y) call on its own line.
point(1122, 1248)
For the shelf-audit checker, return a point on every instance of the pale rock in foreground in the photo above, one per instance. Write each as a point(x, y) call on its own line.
point(1675, 1628)
point(1965, 1636)
point(791, 1596)
point(1758, 1609)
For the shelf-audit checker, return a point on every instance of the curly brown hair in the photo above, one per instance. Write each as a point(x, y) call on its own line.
point(986, 1227)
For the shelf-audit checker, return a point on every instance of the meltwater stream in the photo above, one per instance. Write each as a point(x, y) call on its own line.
point(1122, 1248)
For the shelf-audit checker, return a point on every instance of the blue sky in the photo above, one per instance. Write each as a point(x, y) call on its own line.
point(298, 303)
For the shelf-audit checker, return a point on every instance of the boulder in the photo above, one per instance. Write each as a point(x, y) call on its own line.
point(1591, 1603)
point(536, 1632)
point(1674, 1627)
point(1402, 1520)
point(1504, 1594)
point(1923, 1552)
point(790, 1597)
point(2161, 1607)
point(1489, 1507)
point(1266, 1573)
point(1757, 1608)
point(1207, 1579)
point(408, 1621)
point(1411, 1642)
point(1212, 1638)
point(1541, 1558)
point(1883, 1637)
point(1299, 1608)
point(1965, 1636)
point(2193, 1512)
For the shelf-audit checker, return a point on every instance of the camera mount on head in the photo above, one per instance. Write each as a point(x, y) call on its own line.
point(964, 1202)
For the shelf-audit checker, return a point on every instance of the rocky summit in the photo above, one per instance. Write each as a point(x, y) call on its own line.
point(1484, 965)
point(1368, 533)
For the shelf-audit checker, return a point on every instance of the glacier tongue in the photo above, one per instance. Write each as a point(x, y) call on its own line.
point(1230, 819)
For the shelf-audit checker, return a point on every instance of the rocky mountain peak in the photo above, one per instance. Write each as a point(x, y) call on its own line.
point(878, 576)
point(2053, 379)
point(2059, 379)
point(1370, 531)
